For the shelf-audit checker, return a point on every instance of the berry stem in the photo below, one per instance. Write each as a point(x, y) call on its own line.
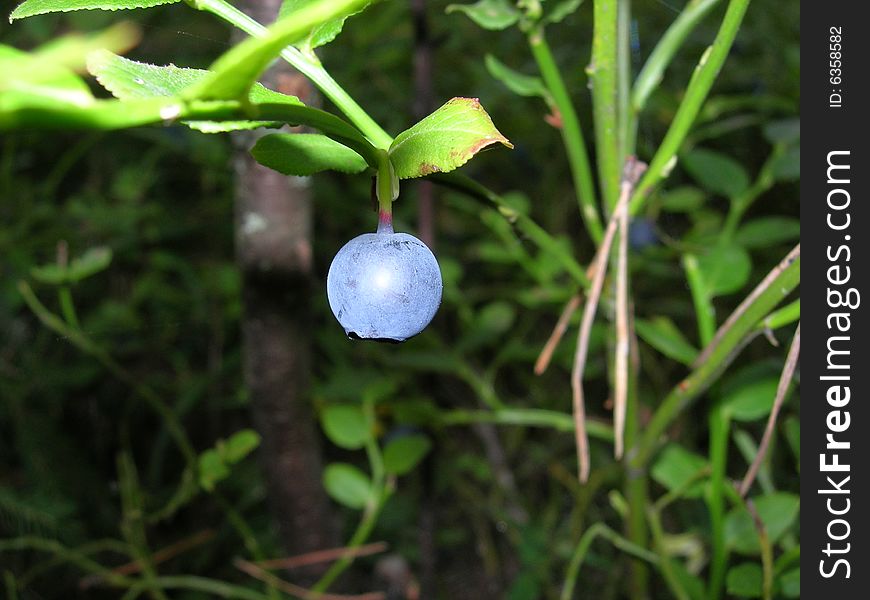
point(386, 190)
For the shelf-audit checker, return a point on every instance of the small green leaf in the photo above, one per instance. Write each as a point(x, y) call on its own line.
point(518, 83)
point(496, 317)
point(790, 583)
point(50, 274)
point(212, 469)
point(716, 172)
point(240, 445)
point(777, 511)
point(765, 232)
point(345, 426)
point(676, 466)
point(72, 50)
point(347, 485)
point(127, 79)
point(404, 453)
point(684, 199)
point(561, 10)
point(26, 75)
point(306, 154)
point(445, 140)
point(494, 15)
point(30, 8)
point(662, 334)
point(751, 401)
point(744, 580)
point(322, 34)
point(725, 269)
point(90, 263)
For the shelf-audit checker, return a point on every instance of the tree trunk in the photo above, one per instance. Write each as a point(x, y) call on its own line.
point(273, 250)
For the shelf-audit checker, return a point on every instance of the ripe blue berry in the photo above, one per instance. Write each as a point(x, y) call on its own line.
point(384, 286)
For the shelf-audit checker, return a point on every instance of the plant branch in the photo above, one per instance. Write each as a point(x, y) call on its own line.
point(702, 80)
point(525, 417)
point(572, 133)
point(603, 73)
point(633, 169)
point(781, 391)
point(306, 64)
point(620, 394)
point(558, 333)
point(526, 225)
point(595, 531)
point(660, 58)
point(296, 591)
point(322, 556)
point(721, 350)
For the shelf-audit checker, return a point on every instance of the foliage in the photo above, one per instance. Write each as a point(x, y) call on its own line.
point(124, 429)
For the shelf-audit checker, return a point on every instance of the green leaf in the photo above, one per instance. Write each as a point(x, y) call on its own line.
point(684, 199)
point(561, 10)
point(494, 15)
point(30, 8)
point(676, 466)
point(777, 511)
point(345, 426)
point(765, 232)
point(664, 336)
point(790, 583)
point(29, 76)
point(306, 154)
point(445, 140)
point(127, 79)
point(347, 485)
point(496, 317)
point(321, 34)
point(751, 401)
point(90, 263)
point(402, 454)
point(716, 172)
point(725, 269)
point(240, 445)
point(518, 83)
point(744, 580)
point(235, 71)
point(212, 469)
point(72, 50)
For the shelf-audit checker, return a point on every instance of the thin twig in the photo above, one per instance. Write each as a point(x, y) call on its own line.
point(558, 332)
point(633, 170)
point(322, 556)
point(620, 395)
point(763, 544)
point(590, 535)
point(749, 301)
point(160, 556)
point(256, 572)
point(781, 390)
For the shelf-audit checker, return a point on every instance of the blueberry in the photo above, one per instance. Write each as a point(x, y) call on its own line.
point(384, 286)
point(642, 233)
